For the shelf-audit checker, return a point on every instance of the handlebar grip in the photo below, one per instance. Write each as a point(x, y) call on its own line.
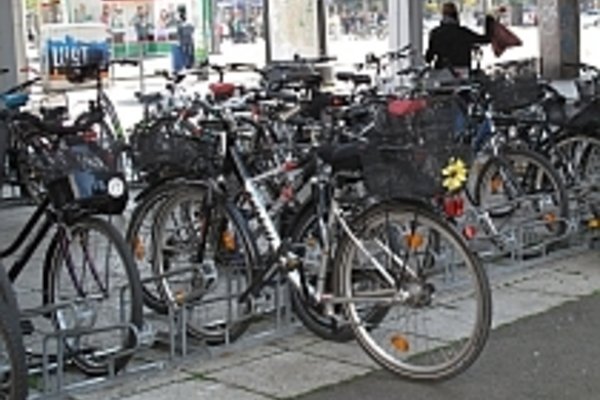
point(4, 71)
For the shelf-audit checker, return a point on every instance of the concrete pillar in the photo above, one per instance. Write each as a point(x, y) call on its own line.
point(12, 42)
point(559, 37)
point(406, 24)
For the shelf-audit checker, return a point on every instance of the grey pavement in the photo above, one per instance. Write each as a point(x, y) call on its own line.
point(551, 356)
point(528, 356)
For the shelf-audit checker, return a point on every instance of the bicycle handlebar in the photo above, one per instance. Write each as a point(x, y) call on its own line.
point(21, 87)
point(125, 61)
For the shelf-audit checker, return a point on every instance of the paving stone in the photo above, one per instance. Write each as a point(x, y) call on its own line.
point(350, 353)
point(288, 374)
point(510, 304)
point(229, 358)
point(197, 390)
point(132, 386)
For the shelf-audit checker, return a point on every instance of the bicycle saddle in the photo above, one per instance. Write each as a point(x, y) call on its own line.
point(342, 157)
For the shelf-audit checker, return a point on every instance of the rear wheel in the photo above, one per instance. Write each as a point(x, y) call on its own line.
point(525, 198)
point(206, 260)
point(90, 265)
point(307, 241)
point(434, 288)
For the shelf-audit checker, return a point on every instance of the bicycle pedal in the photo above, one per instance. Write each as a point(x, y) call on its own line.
point(27, 327)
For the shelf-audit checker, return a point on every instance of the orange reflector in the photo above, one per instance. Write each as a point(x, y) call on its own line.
point(496, 184)
point(594, 223)
point(228, 240)
point(400, 343)
point(550, 217)
point(414, 241)
point(138, 249)
point(180, 296)
point(470, 232)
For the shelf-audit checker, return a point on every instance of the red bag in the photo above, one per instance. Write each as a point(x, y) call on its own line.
point(503, 38)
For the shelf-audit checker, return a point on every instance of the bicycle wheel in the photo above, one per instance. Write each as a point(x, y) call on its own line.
point(211, 248)
point(139, 237)
point(435, 289)
point(89, 264)
point(577, 158)
point(13, 367)
point(306, 239)
point(525, 198)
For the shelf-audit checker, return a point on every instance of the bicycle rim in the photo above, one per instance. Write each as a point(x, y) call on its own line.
point(438, 315)
point(214, 261)
point(92, 268)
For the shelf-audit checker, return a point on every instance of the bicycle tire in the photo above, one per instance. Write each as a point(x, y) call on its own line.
point(223, 328)
point(85, 358)
point(420, 300)
point(547, 180)
point(310, 314)
point(146, 209)
point(14, 384)
point(565, 146)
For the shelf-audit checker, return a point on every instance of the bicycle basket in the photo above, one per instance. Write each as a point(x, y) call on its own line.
point(406, 155)
point(78, 176)
point(161, 148)
point(508, 94)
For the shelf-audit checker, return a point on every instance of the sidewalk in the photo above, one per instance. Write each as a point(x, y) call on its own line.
point(302, 364)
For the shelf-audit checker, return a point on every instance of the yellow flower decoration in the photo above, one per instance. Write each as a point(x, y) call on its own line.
point(455, 174)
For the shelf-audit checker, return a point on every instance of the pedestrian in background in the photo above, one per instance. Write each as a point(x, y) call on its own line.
point(450, 44)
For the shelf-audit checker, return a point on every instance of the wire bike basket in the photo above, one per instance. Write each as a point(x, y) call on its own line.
point(80, 175)
point(162, 148)
point(413, 141)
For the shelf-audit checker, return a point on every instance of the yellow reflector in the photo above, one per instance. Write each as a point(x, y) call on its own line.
point(414, 241)
point(400, 343)
point(594, 223)
point(228, 240)
point(139, 251)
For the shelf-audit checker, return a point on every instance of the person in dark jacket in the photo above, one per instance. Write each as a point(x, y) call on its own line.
point(450, 44)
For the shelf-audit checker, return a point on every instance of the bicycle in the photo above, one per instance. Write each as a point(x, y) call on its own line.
point(201, 225)
point(87, 260)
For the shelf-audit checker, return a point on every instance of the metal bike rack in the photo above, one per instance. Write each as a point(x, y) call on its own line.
point(54, 363)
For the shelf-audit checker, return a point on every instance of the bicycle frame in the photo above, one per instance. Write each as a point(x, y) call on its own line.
point(283, 257)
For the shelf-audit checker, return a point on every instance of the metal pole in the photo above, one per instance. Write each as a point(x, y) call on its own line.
point(267, 25)
point(215, 44)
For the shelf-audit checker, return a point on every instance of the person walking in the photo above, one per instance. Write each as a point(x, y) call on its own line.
point(450, 44)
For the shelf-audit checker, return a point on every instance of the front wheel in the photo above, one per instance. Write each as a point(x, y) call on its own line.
point(89, 265)
point(406, 258)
